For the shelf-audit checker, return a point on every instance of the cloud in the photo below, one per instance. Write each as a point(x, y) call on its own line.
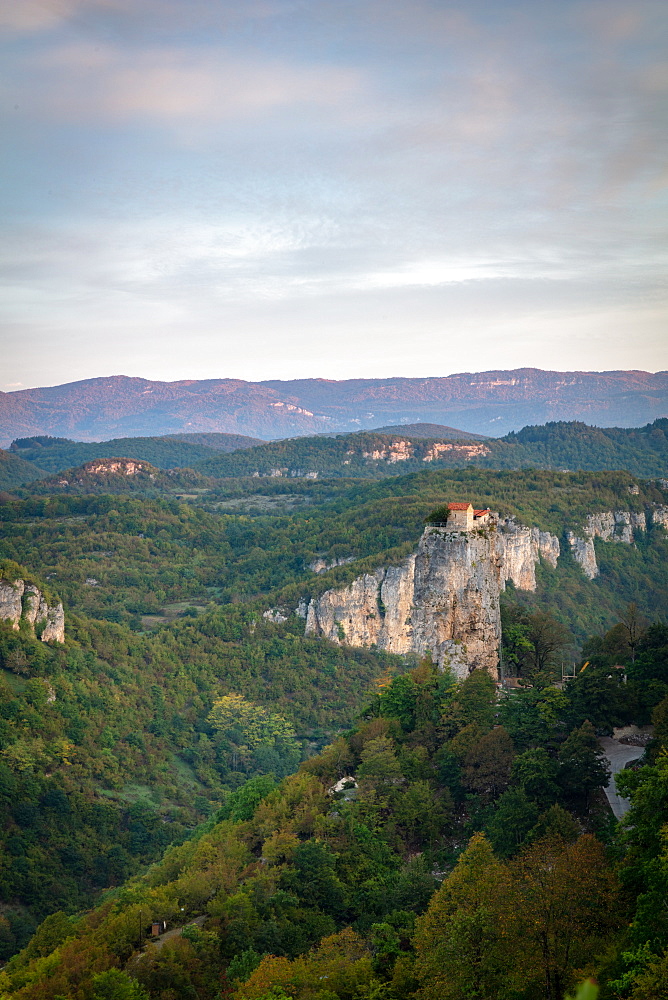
point(94, 82)
point(173, 161)
point(34, 15)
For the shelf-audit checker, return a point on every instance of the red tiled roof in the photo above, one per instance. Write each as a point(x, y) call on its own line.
point(477, 513)
point(458, 506)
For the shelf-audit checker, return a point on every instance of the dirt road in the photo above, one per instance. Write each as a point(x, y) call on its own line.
point(618, 754)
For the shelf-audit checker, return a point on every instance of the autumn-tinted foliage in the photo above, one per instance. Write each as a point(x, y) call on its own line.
point(282, 870)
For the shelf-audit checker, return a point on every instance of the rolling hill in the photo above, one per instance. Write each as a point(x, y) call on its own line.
point(15, 471)
point(366, 454)
point(439, 431)
point(169, 452)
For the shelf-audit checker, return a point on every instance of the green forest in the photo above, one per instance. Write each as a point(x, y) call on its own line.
point(125, 558)
point(170, 451)
point(313, 820)
point(571, 445)
point(448, 845)
point(562, 445)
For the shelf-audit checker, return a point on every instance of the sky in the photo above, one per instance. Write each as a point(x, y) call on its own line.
point(331, 188)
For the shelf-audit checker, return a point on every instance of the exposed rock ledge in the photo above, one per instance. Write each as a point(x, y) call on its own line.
point(443, 600)
point(611, 526)
point(520, 548)
point(24, 601)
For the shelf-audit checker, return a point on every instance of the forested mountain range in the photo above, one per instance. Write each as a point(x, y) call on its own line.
point(492, 402)
point(364, 454)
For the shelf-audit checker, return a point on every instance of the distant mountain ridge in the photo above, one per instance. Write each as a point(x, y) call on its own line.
point(489, 403)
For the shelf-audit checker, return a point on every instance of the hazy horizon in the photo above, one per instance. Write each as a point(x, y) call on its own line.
point(322, 378)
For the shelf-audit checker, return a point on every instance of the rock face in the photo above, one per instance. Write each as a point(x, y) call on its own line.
point(466, 451)
point(396, 451)
point(616, 527)
point(20, 600)
point(321, 565)
point(660, 515)
point(519, 549)
point(584, 554)
point(611, 526)
point(106, 467)
point(444, 600)
point(456, 599)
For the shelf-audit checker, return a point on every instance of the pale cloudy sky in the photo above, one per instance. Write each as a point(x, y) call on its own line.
point(333, 188)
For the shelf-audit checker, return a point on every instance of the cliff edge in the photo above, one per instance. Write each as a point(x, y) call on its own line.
point(443, 600)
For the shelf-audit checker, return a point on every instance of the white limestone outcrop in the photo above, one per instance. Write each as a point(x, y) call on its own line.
point(465, 451)
point(610, 526)
point(321, 565)
point(660, 515)
point(519, 550)
point(443, 600)
point(24, 601)
point(276, 615)
point(396, 451)
point(584, 553)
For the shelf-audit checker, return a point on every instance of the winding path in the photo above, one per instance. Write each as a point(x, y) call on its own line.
point(618, 755)
point(175, 932)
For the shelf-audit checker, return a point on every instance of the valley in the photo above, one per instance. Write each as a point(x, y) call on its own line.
point(234, 648)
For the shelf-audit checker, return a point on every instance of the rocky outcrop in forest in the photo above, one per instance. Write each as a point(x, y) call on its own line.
point(611, 526)
point(519, 550)
point(660, 513)
point(21, 601)
point(443, 600)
